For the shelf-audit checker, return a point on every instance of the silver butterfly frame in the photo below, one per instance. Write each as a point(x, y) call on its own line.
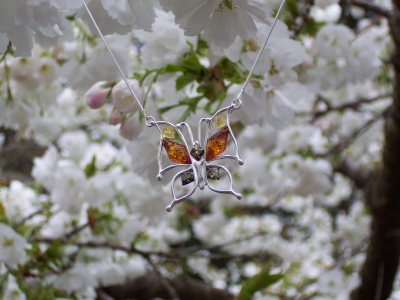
point(199, 168)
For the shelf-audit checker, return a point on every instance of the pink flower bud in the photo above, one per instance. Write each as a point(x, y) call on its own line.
point(130, 128)
point(96, 96)
point(115, 117)
point(122, 96)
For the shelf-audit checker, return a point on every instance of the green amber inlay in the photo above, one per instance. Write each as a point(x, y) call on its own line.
point(187, 177)
point(213, 173)
point(197, 152)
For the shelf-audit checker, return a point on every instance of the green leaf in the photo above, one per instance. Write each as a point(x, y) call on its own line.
point(229, 70)
point(212, 90)
point(3, 216)
point(202, 47)
point(258, 282)
point(102, 222)
point(90, 168)
point(228, 4)
point(173, 69)
point(53, 252)
point(184, 80)
point(192, 64)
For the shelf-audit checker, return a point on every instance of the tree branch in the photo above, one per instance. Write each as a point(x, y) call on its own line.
point(346, 141)
point(360, 176)
point(304, 15)
point(355, 105)
point(382, 260)
point(151, 287)
point(372, 7)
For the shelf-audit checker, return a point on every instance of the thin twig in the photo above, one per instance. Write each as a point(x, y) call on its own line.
point(354, 105)
point(345, 142)
point(181, 253)
point(302, 18)
point(30, 216)
point(372, 7)
point(171, 290)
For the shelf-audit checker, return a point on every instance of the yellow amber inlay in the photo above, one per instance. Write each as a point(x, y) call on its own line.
point(217, 143)
point(176, 152)
point(168, 132)
point(220, 121)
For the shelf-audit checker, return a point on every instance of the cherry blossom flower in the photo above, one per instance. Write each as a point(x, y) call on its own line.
point(221, 21)
point(11, 290)
point(138, 13)
point(12, 246)
point(332, 41)
point(122, 97)
point(165, 44)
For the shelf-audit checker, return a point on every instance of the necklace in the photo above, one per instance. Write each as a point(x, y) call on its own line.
point(197, 156)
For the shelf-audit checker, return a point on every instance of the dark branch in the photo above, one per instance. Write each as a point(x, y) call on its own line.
point(382, 260)
point(354, 105)
point(360, 176)
point(372, 7)
point(346, 141)
point(151, 287)
point(303, 17)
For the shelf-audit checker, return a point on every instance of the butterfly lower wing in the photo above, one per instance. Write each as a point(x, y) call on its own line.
point(187, 176)
point(213, 172)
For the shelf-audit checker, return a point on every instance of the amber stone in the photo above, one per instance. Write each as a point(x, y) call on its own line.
point(220, 121)
point(213, 173)
point(197, 152)
point(217, 143)
point(168, 132)
point(176, 152)
point(187, 177)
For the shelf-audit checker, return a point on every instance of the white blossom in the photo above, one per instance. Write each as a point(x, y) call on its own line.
point(77, 279)
point(18, 201)
point(332, 41)
point(73, 144)
point(11, 290)
point(314, 178)
point(221, 21)
point(12, 246)
point(68, 188)
point(166, 44)
point(331, 282)
point(137, 13)
point(122, 97)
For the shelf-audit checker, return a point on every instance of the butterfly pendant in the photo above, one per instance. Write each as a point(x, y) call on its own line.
point(199, 162)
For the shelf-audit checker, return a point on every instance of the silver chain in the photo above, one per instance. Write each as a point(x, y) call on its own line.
point(236, 103)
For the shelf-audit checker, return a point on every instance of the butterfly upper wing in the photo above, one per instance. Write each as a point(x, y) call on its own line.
point(176, 151)
point(217, 143)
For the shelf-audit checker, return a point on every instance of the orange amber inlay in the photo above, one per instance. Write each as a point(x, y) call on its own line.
point(176, 152)
point(217, 143)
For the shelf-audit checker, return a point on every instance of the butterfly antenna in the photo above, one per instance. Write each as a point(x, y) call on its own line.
point(144, 112)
